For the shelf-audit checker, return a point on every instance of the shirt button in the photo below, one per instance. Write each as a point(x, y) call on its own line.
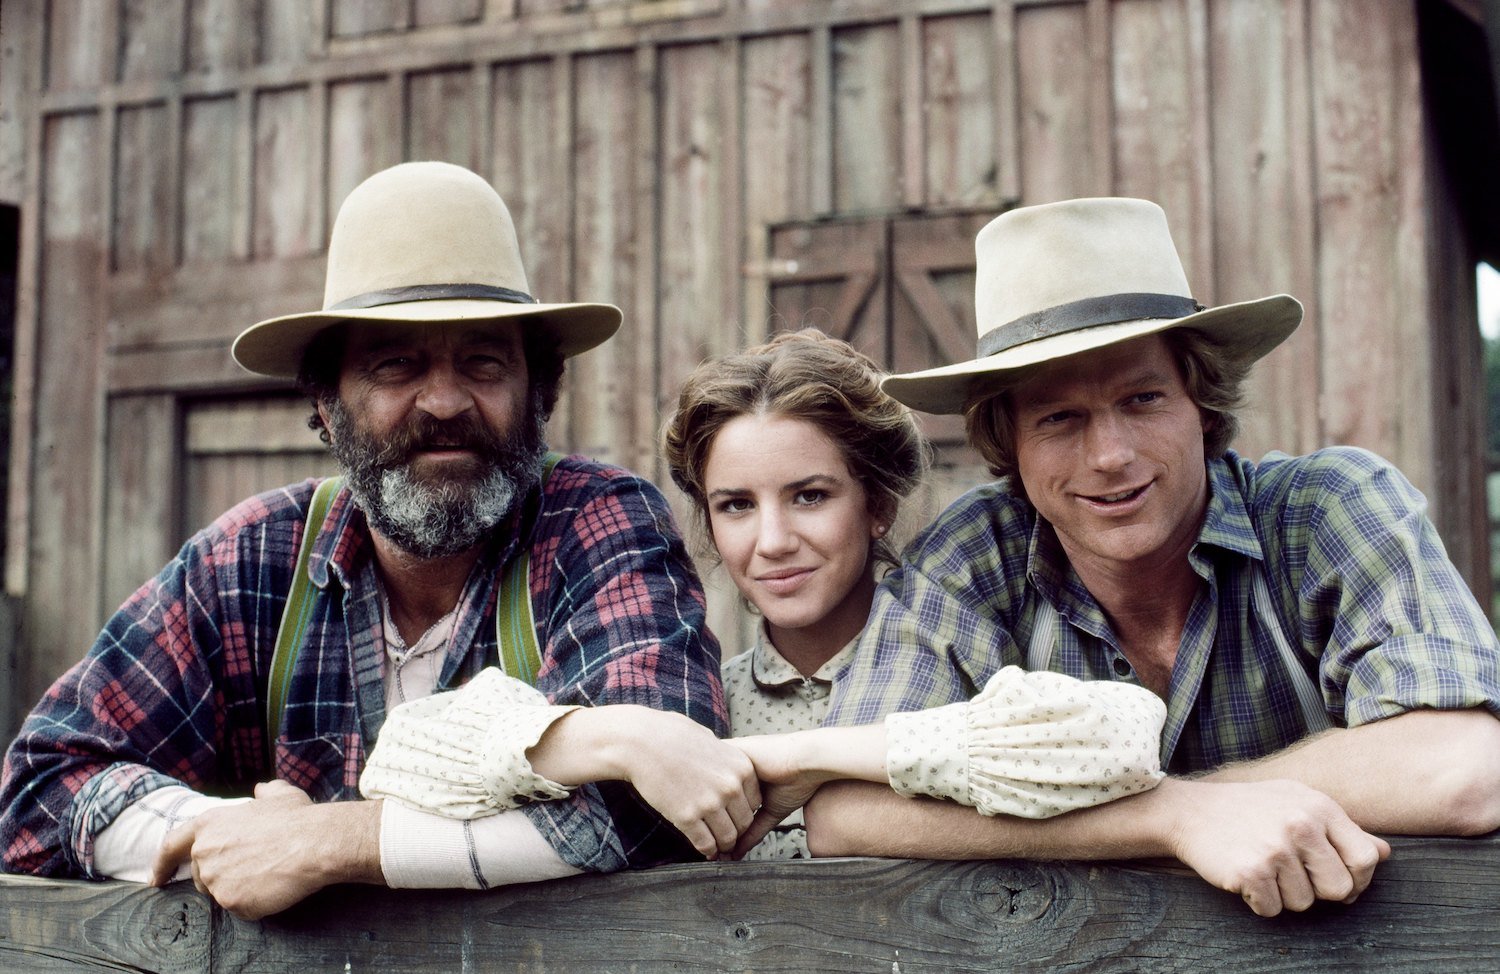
point(1122, 666)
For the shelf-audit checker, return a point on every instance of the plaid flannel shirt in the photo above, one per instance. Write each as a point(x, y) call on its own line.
point(1361, 592)
point(173, 691)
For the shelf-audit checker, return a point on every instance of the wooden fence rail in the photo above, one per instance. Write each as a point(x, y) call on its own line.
point(1435, 907)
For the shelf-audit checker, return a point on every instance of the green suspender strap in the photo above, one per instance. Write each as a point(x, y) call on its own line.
point(296, 616)
point(515, 627)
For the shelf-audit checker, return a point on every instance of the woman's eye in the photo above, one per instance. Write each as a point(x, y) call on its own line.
point(809, 497)
point(735, 505)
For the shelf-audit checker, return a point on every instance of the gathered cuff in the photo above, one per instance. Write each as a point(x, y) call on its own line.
point(505, 773)
point(462, 754)
point(927, 752)
point(1031, 744)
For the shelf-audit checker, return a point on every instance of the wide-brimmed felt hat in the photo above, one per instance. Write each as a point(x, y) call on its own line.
point(1062, 278)
point(424, 243)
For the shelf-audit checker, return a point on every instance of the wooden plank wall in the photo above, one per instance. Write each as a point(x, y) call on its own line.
point(1431, 907)
point(184, 161)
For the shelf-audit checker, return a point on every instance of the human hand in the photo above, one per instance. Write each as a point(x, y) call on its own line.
point(703, 786)
point(260, 857)
point(1278, 844)
point(785, 787)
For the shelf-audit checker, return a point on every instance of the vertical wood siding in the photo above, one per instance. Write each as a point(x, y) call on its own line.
point(190, 155)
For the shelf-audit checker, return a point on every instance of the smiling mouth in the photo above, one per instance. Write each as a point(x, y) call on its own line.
point(783, 582)
point(1119, 497)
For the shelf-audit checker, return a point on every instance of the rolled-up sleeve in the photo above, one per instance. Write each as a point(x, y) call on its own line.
point(1396, 626)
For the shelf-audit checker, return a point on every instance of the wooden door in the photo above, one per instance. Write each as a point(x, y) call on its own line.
point(901, 290)
point(234, 448)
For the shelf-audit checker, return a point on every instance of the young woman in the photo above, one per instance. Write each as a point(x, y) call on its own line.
point(796, 464)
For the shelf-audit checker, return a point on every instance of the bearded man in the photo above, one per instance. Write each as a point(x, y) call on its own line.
point(218, 727)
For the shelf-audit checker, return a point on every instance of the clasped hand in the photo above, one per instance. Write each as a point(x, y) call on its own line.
point(260, 857)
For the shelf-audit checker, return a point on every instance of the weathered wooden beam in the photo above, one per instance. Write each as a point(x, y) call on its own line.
point(524, 38)
point(1434, 906)
point(51, 925)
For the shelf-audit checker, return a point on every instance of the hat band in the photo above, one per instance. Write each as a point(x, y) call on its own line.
point(432, 292)
point(1088, 313)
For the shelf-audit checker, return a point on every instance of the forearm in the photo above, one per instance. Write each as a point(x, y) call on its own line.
point(1030, 745)
point(262, 856)
point(703, 786)
point(419, 850)
point(594, 744)
point(1426, 772)
point(1279, 844)
point(828, 753)
point(859, 819)
point(480, 749)
point(340, 846)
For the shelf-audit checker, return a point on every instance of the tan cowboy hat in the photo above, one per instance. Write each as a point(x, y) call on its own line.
point(1062, 278)
point(422, 242)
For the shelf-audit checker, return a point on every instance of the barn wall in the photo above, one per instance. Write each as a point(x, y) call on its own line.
point(183, 161)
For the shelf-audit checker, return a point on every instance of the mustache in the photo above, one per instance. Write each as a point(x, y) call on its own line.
point(424, 432)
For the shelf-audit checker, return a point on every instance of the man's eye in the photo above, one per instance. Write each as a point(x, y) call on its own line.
point(1145, 398)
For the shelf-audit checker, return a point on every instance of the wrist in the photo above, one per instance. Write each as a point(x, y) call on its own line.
point(807, 754)
point(1168, 814)
point(345, 840)
point(612, 740)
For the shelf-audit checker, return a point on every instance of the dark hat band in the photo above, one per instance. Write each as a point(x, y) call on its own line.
point(432, 292)
point(1088, 313)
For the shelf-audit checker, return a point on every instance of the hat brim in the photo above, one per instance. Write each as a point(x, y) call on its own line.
point(274, 347)
point(1246, 330)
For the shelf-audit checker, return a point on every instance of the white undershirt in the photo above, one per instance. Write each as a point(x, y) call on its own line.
point(418, 850)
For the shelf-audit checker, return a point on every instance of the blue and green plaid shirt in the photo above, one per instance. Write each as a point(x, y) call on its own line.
point(1355, 588)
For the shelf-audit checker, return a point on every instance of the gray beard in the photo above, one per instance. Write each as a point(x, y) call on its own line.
point(437, 518)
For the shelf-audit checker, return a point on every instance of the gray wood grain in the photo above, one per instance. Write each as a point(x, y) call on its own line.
point(1432, 908)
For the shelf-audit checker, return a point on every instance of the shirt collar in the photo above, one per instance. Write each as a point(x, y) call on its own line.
point(341, 540)
point(1227, 524)
point(770, 669)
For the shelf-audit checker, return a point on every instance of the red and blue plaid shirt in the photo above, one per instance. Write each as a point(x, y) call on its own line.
point(174, 689)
